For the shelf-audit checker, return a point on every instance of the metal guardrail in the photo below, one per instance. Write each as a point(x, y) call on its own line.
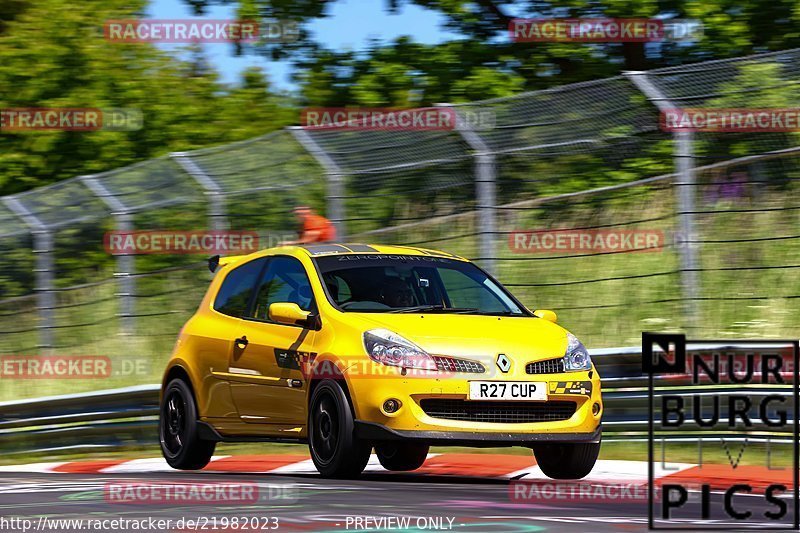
point(129, 416)
point(106, 418)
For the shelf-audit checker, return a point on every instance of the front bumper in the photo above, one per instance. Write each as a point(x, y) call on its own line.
point(412, 421)
point(377, 432)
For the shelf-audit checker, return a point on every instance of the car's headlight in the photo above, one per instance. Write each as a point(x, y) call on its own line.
point(389, 348)
point(577, 356)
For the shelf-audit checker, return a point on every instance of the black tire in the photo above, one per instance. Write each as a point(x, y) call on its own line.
point(181, 445)
point(401, 457)
point(335, 450)
point(567, 460)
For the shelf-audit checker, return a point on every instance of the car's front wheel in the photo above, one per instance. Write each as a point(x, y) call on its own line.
point(335, 449)
point(401, 457)
point(567, 460)
point(180, 443)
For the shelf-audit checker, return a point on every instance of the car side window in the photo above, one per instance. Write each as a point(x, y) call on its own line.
point(236, 289)
point(285, 280)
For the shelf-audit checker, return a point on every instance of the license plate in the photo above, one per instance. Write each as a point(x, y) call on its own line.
point(508, 390)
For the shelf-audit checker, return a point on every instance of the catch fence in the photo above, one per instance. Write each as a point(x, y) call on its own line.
point(588, 157)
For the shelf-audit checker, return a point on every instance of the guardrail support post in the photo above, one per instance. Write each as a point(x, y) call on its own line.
point(684, 163)
point(43, 253)
point(485, 191)
point(683, 156)
point(335, 177)
point(216, 195)
point(486, 194)
point(126, 263)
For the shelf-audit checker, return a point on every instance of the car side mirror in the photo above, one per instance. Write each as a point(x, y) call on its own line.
point(288, 313)
point(546, 314)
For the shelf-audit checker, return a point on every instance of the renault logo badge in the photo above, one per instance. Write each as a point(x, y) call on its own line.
point(503, 362)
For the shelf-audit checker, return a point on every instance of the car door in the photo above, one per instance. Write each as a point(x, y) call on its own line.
point(267, 383)
point(213, 340)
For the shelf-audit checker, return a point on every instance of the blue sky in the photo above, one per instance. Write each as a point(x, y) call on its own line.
point(350, 26)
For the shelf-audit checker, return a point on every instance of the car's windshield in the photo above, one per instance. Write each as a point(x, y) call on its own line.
point(410, 283)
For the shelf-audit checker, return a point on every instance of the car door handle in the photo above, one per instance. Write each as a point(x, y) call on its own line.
point(241, 342)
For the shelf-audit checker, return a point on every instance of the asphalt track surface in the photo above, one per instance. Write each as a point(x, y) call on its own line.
point(470, 504)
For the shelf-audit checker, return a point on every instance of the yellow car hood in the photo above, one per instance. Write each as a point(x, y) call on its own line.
point(529, 338)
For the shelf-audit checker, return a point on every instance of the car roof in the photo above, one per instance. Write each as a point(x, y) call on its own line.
point(323, 249)
point(328, 249)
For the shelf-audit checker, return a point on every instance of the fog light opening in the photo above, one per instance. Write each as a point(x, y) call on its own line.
point(391, 406)
point(596, 409)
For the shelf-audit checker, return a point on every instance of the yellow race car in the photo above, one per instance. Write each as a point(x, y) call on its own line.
point(350, 347)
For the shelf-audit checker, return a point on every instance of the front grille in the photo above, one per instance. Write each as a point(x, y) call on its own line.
point(498, 412)
point(451, 364)
point(550, 366)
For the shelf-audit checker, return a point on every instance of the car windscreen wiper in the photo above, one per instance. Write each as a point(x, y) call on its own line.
point(501, 313)
point(417, 308)
point(434, 308)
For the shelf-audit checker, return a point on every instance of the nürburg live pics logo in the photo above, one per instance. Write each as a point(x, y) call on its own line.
point(723, 419)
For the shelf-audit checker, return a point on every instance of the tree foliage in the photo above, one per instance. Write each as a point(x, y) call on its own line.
point(483, 63)
point(53, 54)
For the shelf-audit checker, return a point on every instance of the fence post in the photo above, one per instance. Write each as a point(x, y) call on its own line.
point(335, 178)
point(216, 195)
point(683, 156)
point(485, 190)
point(126, 263)
point(43, 252)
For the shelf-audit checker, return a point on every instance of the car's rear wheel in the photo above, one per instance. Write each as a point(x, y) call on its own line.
point(180, 442)
point(401, 457)
point(335, 449)
point(567, 460)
